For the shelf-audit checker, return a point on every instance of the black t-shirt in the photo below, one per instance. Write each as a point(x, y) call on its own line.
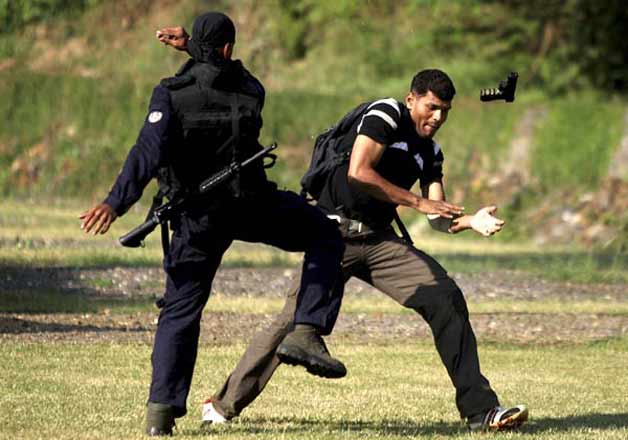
point(406, 159)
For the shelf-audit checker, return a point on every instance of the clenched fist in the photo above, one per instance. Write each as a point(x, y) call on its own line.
point(175, 36)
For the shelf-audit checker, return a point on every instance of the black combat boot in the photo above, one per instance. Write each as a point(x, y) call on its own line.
point(159, 419)
point(304, 346)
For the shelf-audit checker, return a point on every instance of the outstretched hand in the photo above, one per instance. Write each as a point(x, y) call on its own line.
point(98, 218)
point(439, 207)
point(175, 36)
point(485, 222)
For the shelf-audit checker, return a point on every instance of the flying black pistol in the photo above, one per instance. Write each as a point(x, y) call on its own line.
point(505, 90)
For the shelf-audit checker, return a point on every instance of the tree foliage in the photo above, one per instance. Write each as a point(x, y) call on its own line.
point(560, 45)
point(15, 14)
point(589, 35)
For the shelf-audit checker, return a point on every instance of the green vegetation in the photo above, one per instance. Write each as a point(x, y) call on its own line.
point(98, 390)
point(17, 13)
point(32, 235)
point(74, 100)
point(578, 130)
point(75, 80)
point(50, 301)
point(566, 264)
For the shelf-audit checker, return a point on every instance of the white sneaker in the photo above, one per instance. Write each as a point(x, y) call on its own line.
point(211, 415)
point(499, 419)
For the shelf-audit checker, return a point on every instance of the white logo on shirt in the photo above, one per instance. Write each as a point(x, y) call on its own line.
point(400, 145)
point(436, 148)
point(419, 160)
point(154, 117)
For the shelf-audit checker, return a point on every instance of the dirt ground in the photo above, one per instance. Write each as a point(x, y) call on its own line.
point(226, 328)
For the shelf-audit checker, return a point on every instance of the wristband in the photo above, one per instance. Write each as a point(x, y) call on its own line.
point(439, 223)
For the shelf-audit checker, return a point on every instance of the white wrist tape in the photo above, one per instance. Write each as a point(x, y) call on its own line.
point(439, 223)
point(484, 223)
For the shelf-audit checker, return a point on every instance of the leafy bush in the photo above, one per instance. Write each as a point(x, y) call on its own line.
point(15, 14)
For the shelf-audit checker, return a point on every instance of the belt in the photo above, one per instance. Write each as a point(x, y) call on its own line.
point(350, 227)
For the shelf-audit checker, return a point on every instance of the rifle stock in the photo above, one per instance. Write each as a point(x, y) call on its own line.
point(135, 237)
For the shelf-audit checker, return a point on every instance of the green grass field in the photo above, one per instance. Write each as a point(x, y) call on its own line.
point(76, 361)
point(77, 312)
point(72, 391)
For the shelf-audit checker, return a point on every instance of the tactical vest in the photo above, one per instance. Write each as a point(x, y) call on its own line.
point(219, 113)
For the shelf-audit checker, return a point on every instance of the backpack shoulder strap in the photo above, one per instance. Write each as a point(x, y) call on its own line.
point(330, 152)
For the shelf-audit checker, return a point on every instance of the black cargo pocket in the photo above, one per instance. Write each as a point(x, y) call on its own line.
point(188, 242)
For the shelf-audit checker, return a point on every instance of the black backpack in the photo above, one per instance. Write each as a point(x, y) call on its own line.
point(328, 154)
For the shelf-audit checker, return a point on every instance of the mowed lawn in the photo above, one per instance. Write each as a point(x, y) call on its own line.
point(393, 391)
point(93, 387)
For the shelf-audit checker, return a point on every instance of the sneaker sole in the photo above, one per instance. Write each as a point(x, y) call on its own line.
point(512, 422)
point(313, 365)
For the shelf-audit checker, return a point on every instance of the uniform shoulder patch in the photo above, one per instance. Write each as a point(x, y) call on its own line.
point(155, 117)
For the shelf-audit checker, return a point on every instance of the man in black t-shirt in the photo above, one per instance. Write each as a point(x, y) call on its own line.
point(392, 147)
point(405, 158)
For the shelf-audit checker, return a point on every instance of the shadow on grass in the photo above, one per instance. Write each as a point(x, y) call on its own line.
point(284, 425)
point(409, 427)
point(67, 290)
point(583, 421)
point(51, 302)
point(16, 326)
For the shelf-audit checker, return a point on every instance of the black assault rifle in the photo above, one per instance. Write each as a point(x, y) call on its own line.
point(505, 90)
point(167, 211)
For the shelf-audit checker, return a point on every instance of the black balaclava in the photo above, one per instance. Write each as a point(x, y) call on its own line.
point(210, 31)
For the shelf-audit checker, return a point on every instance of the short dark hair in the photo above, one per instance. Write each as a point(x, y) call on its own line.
point(433, 80)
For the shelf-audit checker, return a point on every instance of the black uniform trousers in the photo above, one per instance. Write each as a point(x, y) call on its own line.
point(278, 218)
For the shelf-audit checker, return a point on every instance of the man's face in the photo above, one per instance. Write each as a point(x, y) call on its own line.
point(428, 112)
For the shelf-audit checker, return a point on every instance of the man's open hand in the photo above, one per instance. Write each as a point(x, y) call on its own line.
point(98, 219)
point(175, 36)
point(485, 223)
point(440, 207)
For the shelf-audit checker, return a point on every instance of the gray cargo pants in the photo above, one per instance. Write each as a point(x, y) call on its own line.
point(410, 277)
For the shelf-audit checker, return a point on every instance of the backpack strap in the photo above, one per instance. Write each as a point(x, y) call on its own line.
point(388, 101)
point(402, 228)
point(325, 156)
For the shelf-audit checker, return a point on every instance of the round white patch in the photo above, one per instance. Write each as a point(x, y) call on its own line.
point(154, 117)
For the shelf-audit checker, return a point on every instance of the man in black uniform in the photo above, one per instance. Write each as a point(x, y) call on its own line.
point(198, 122)
point(392, 148)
